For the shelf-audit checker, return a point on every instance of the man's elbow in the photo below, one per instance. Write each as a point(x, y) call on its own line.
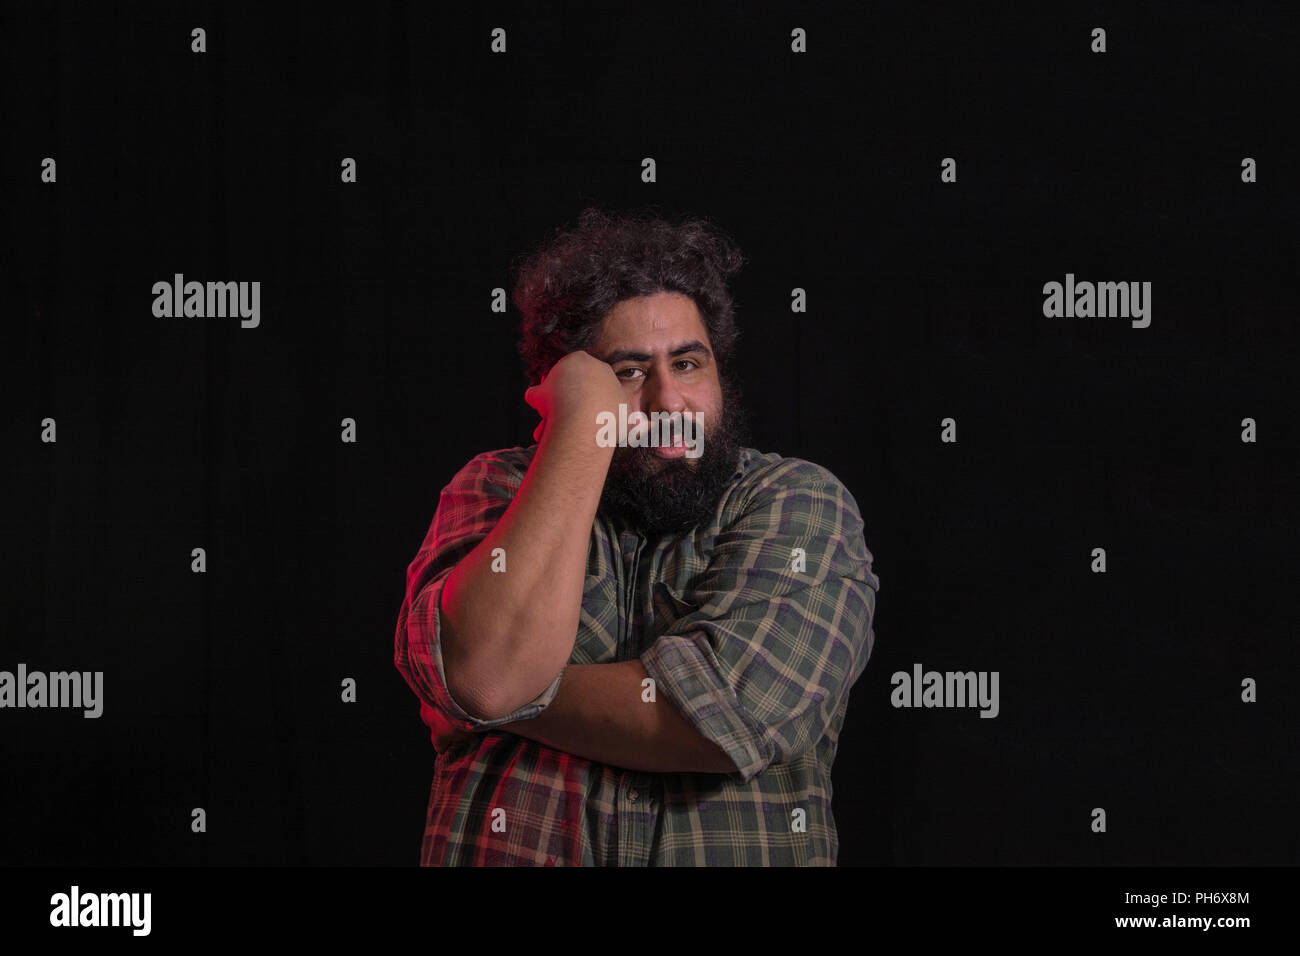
point(475, 697)
point(488, 698)
point(491, 685)
point(477, 692)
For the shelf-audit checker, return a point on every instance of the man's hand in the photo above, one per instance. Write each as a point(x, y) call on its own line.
point(577, 385)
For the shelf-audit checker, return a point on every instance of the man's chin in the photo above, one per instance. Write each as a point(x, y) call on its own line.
point(662, 495)
point(656, 462)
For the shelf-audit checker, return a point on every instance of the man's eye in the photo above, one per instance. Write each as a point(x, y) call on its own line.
point(687, 362)
point(620, 372)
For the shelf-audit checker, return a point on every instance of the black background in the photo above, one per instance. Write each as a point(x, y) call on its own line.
point(222, 690)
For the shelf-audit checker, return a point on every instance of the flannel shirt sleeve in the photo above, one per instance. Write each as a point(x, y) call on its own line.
point(759, 654)
point(468, 508)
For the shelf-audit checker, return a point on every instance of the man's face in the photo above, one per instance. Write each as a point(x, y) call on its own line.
point(660, 351)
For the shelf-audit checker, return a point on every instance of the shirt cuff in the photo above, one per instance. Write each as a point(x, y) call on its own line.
point(428, 606)
point(683, 669)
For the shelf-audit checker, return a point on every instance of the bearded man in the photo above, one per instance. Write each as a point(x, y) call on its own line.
point(635, 656)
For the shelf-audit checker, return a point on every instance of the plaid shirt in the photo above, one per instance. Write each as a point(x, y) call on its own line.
point(755, 625)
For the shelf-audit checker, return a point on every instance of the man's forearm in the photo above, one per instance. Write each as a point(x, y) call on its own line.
point(598, 713)
point(545, 535)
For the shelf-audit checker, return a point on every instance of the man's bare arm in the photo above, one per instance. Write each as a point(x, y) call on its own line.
point(598, 713)
point(545, 534)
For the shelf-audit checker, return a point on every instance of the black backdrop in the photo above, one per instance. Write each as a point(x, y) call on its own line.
point(1119, 690)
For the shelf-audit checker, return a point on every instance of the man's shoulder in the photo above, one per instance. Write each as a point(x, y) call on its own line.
point(770, 471)
point(499, 466)
point(799, 498)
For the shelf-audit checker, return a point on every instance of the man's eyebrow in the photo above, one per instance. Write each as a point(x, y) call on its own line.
point(632, 355)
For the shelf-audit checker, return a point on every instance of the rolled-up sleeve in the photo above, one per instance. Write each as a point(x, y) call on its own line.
point(468, 509)
point(767, 643)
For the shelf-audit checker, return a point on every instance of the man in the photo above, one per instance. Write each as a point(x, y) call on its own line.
point(633, 656)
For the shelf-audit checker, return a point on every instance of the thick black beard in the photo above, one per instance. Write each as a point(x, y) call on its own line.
point(660, 496)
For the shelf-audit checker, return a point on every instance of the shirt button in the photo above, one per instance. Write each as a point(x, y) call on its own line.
point(633, 794)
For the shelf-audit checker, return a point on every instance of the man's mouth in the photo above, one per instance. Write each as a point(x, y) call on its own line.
point(676, 450)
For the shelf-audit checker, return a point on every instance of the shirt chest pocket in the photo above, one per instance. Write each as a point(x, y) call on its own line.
point(670, 607)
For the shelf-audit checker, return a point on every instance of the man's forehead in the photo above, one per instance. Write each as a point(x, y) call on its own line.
point(662, 323)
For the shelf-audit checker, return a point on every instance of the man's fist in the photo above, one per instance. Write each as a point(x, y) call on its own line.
point(578, 386)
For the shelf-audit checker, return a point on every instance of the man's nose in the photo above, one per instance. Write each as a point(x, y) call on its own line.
point(661, 394)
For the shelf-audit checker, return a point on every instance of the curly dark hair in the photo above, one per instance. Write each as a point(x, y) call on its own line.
point(571, 282)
